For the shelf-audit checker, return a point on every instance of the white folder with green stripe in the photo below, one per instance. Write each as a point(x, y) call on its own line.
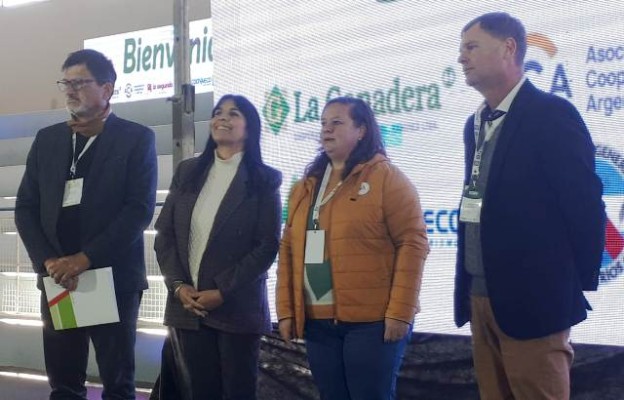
point(92, 303)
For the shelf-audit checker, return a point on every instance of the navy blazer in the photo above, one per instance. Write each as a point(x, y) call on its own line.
point(241, 248)
point(542, 220)
point(117, 204)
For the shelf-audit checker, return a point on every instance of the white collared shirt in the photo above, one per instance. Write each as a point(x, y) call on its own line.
point(504, 105)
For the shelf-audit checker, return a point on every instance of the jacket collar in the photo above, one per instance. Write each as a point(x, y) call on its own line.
point(360, 172)
point(521, 104)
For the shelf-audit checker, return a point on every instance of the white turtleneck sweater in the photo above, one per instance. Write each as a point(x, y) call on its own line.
point(217, 184)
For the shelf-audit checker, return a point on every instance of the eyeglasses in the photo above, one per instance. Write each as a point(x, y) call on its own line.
point(75, 84)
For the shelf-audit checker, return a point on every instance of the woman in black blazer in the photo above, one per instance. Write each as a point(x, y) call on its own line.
point(218, 234)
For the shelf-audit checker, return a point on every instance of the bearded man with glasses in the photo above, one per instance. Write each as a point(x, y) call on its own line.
point(87, 194)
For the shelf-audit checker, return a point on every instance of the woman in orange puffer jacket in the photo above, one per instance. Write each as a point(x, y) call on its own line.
point(351, 259)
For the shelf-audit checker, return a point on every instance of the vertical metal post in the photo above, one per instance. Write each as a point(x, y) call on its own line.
point(18, 270)
point(183, 101)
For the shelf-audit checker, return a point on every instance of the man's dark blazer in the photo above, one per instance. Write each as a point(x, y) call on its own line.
point(542, 220)
point(117, 204)
point(241, 247)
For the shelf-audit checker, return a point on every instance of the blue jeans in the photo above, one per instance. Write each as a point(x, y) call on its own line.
point(351, 361)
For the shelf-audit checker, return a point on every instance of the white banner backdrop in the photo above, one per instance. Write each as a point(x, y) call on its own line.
point(290, 56)
point(144, 61)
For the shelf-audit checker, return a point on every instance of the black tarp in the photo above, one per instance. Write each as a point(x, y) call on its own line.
point(435, 367)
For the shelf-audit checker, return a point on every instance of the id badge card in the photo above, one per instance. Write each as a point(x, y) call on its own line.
point(315, 247)
point(73, 192)
point(470, 210)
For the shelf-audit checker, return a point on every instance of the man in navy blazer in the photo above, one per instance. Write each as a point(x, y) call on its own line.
point(87, 194)
point(532, 221)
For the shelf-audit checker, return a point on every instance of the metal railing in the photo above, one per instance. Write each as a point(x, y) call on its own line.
point(20, 297)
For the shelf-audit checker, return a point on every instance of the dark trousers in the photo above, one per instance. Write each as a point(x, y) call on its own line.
point(209, 364)
point(66, 353)
point(351, 361)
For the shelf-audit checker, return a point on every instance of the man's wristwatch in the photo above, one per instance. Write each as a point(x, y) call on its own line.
point(176, 286)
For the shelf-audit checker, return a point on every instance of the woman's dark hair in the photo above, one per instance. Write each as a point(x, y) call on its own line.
point(252, 159)
point(371, 144)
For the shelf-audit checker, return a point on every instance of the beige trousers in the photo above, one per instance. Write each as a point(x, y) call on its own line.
point(507, 368)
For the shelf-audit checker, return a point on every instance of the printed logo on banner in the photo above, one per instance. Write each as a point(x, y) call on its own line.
point(604, 79)
point(203, 81)
point(159, 87)
point(559, 84)
point(275, 110)
point(442, 226)
point(397, 97)
point(138, 89)
point(147, 56)
point(391, 134)
point(128, 90)
point(610, 168)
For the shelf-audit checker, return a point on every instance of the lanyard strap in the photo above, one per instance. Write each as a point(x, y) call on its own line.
point(481, 139)
point(320, 201)
point(72, 169)
point(479, 144)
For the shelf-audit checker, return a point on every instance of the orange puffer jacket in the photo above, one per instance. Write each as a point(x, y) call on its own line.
point(377, 246)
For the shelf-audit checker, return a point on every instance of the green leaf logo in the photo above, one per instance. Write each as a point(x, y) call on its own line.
point(275, 110)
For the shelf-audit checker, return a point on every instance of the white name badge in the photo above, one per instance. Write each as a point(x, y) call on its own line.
point(470, 210)
point(73, 192)
point(315, 247)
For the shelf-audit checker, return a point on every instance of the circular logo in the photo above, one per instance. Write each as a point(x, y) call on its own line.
point(610, 169)
point(448, 77)
point(128, 90)
point(364, 188)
